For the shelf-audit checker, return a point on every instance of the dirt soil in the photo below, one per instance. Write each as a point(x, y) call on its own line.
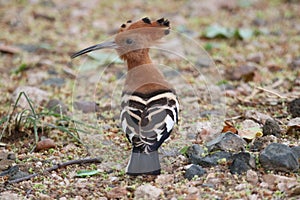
point(251, 65)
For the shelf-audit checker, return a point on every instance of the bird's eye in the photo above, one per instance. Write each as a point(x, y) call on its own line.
point(129, 41)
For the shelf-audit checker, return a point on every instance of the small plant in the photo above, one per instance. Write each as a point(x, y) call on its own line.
point(31, 119)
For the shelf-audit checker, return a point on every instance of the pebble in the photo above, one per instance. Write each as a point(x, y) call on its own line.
point(243, 72)
point(117, 193)
point(45, 144)
point(296, 150)
point(295, 64)
point(36, 95)
point(227, 142)
point(257, 116)
point(36, 77)
point(252, 177)
point(271, 127)
point(147, 191)
point(44, 196)
point(294, 108)
point(195, 149)
point(262, 142)
point(164, 179)
point(279, 157)
point(255, 57)
point(8, 195)
point(193, 170)
point(86, 106)
point(241, 186)
point(194, 153)
point(58, 82)
point(210, 160)
point(242, 162)
point(57, 106)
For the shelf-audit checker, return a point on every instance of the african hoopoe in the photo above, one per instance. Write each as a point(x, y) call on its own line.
point(149, 103)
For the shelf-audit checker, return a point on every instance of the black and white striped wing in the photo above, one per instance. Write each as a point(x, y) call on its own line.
point(149, 121)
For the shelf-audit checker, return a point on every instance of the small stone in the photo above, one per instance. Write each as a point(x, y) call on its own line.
point(295, 64)
point(252, 177)
point(58, 82)
point(227, 142)
point(257, 116)
point(262, 142)
point(211, 159)
point(194, 170)
point(45, 144)
point(241, 186)
point(193, 193)
point(194, 153)
point(117, 193)
point(147, 191)
point(295, 191)
point(44, 196)
point(296, 150)
point(241, 163)
point(259, 22)
point(195, 149)
point(282, 183)
point(36, 95)
point(250, 130)
point(255, 57)
point(36, 77)
point(271, 127)
point(294, 107)
point(86, 106)
point(78, 198)
point(279, 157)
point(243, 72)
point(164, 179)
point(11, 156)
point(294, 127)
point(57, 106)
point(8, 195)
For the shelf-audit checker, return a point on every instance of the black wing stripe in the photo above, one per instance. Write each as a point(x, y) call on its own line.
point(149, 121)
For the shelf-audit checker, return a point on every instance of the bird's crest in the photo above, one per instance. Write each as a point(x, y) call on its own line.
point(134, 37)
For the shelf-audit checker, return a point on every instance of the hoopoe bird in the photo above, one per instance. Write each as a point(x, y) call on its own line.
point(149, 103)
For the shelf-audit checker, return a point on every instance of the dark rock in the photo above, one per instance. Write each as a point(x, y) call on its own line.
point(241, 163)
point(194, 170)
point(296, 151)
point(212, 159)
point(262, 142)
point(194, 152)
point(57, 106)
point(271, 127)
point(54, 82)
point(86, 106)
point(11, 156)
point(279, 157)
point(294, 107)
point(227, 142)
point(295, 64)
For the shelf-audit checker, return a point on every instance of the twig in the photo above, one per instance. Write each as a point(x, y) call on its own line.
point(55, 167)
point(271, 92)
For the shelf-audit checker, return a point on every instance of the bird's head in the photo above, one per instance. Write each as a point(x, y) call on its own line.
point(134, 38)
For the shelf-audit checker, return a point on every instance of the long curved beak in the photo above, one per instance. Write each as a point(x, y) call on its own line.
point(104, 45)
